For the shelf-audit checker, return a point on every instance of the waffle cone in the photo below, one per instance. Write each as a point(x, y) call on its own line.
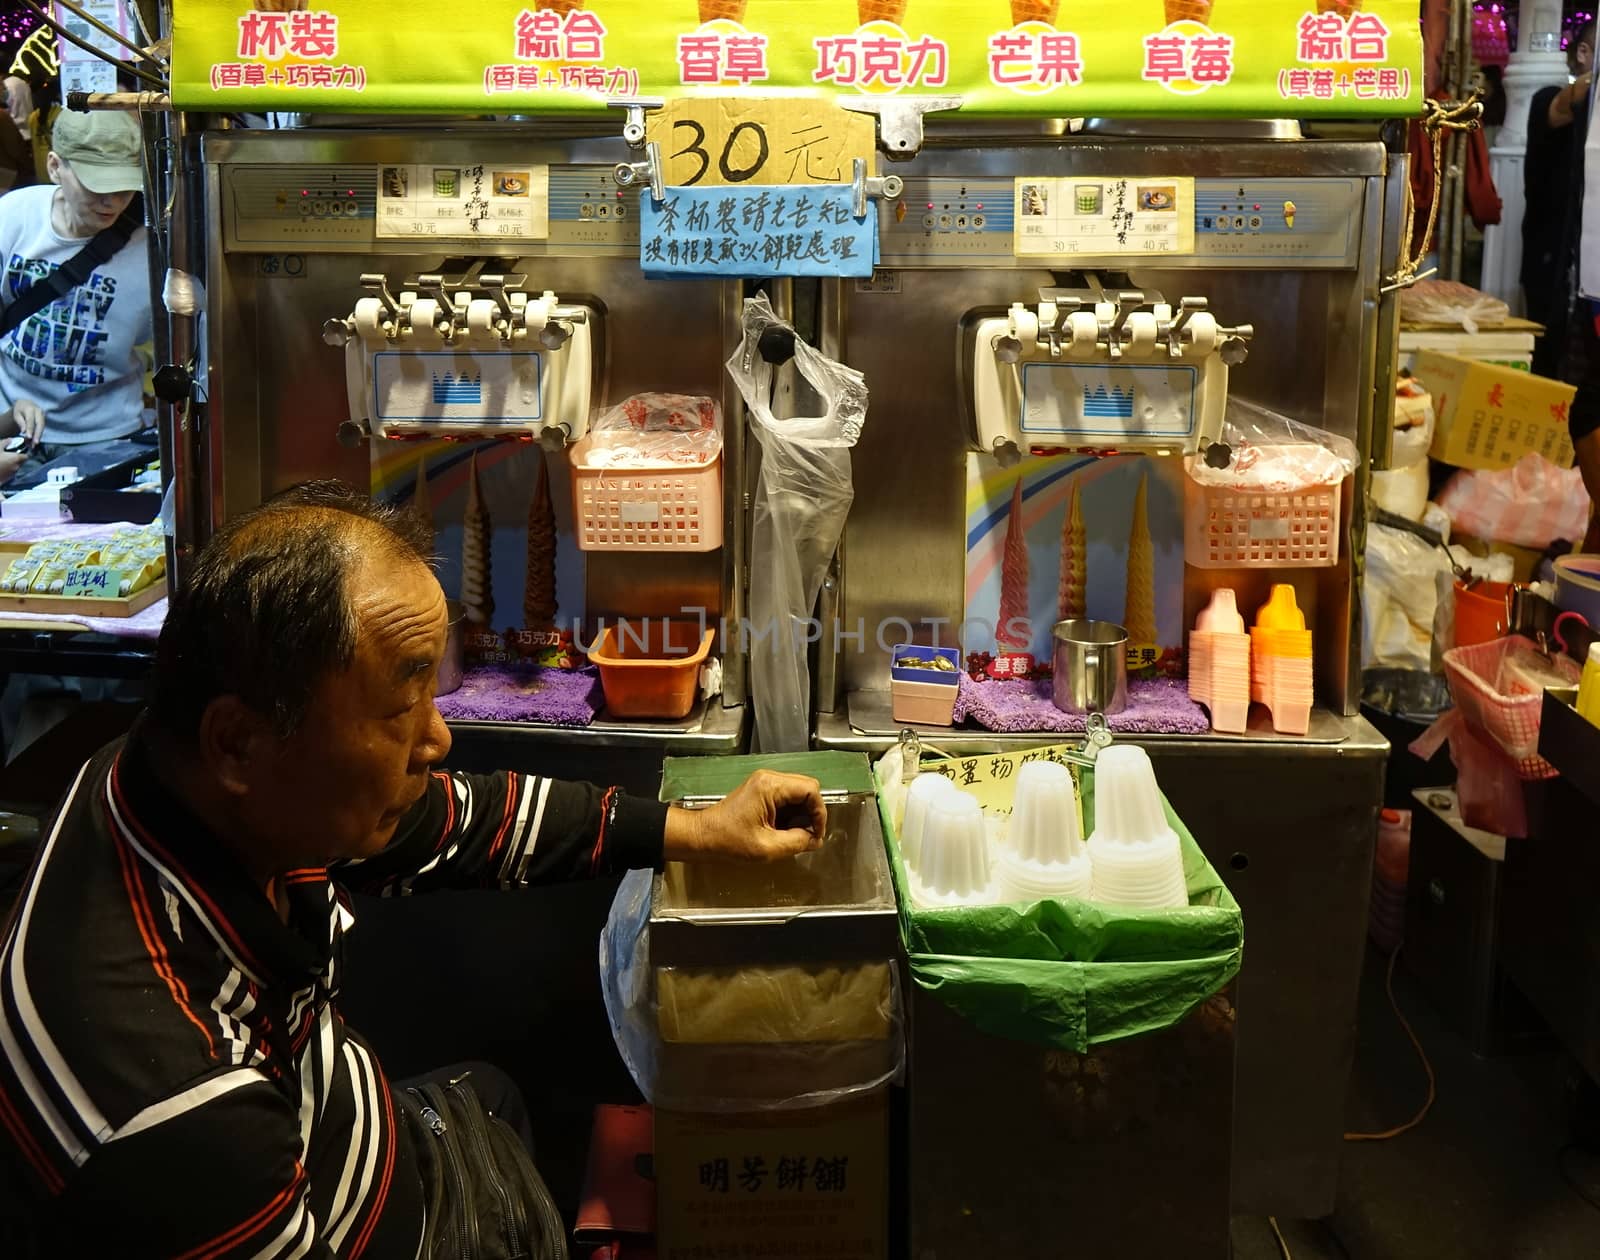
point(1342, 7)
point(880, 11)
point(1034, 11)
point(1188, 11)
point(561, 6)
point(727, 10)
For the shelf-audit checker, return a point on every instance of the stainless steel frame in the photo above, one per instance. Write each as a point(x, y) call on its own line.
point(277, 393)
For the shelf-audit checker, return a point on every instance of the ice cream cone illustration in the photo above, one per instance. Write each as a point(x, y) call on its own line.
point(1011, 632)
point(1139, 615)
point(1034, 11)
point(726, 10)
point(1188, 11)
point(539, 591)
point(476, 597)
point(1344, 8)
point(1071, 590)
point(561, 6)
point(881, 11)
point(421, 501)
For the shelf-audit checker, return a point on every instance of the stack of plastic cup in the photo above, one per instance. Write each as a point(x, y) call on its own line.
point(1137, 860)
point(924, 788)
point(953, 865)
point(1219, 663)
point(1280, 662)
point(1045, 856)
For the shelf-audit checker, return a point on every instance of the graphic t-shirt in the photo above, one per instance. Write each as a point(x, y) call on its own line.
point(76, 358)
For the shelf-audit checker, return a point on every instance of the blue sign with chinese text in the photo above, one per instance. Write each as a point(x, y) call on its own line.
point(801, 230)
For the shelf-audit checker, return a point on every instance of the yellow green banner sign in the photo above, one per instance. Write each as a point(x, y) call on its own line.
point(1260, 58)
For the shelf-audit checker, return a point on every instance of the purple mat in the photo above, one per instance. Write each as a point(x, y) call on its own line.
point(1156, 706)
point(496, 693)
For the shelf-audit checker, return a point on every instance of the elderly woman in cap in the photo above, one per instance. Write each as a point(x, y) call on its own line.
point(70, 371)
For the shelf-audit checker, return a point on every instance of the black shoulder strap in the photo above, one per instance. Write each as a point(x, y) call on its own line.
point(102, 247)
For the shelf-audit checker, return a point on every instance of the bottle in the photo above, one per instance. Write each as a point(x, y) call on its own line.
point(1589, 686)
point(1390, 873)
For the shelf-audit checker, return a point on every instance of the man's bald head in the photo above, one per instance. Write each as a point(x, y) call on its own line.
point(267, 611)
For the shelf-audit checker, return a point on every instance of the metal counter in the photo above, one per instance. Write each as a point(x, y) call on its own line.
point(1290, 826)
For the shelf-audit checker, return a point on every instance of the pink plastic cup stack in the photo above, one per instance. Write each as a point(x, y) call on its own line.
point(1280, 662)
point(1219, 663)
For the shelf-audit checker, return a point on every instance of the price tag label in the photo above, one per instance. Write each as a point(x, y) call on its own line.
point(1094, 215)
point(93, 581)
point(497, 201)
point(719, 141)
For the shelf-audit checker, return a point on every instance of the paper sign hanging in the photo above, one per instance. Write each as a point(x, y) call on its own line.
point(803, 231)
point(733, 140)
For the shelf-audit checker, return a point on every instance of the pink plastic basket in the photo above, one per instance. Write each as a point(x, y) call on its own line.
point(1510, 722)
point(646, 509)
point(1227, 528)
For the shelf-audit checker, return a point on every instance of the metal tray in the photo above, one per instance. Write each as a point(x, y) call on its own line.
point(834, 905)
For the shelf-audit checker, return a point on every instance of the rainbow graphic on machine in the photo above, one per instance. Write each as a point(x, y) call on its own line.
point(1063, 536)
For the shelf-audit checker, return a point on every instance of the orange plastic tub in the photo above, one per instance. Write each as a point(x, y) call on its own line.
point(1483, 613)
point(651, 669)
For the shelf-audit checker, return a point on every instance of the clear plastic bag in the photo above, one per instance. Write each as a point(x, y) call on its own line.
point(802, 500)
point(744, 1038)
point(655, 430)
point(1273, 454)
point(1450, 302)
point(1399, 600)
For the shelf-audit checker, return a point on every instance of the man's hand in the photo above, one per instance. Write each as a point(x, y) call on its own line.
point(26, 418)
point(769, 816)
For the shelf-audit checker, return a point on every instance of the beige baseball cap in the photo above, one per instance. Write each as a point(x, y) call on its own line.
point(102, 148)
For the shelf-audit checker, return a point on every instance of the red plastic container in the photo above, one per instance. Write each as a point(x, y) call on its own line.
point(651, 669)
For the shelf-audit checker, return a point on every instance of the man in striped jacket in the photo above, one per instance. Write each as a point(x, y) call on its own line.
point(175, 1079)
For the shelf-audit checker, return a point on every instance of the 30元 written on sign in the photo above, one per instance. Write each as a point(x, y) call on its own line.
point(722, 141)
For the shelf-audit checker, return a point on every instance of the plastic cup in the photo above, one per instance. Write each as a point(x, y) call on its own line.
point(954, 866)
point(1137, 860)
point(1018, 879)
point(924, 788)
point(1044, 815)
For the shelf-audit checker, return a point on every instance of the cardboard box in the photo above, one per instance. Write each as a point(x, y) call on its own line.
point(1491, 416)
point(812, 1182)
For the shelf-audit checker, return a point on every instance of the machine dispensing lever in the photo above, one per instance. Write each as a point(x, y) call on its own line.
point(1128, 301)
point(433, 286)
point(377, 284)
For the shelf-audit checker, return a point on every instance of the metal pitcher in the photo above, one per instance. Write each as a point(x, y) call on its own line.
point(1091, 666)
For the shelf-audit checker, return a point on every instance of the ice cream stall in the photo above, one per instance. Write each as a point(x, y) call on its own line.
point(980, 388)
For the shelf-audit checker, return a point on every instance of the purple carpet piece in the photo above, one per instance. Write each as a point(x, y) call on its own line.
point(496, 693)
point(1156, 706)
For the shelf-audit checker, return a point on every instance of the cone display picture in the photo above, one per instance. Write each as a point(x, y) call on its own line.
point(477, 601)
point(1034, 11)
point(724, 10)
point(1344, 8)
point(1014, 576)
point(881, 11)
point(1072, 587)
point(1188, 11)
point(539, 590)
point(1139, 617)
point(561, 6)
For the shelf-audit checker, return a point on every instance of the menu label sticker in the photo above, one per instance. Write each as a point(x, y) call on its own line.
point(498, 200)
point(92, 581)
point(1104, 216)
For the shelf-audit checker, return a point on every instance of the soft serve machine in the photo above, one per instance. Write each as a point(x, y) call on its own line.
point(340, 324)
point(974, 350)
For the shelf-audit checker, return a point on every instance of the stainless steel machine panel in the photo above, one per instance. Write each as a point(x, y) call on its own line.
point(955, 222)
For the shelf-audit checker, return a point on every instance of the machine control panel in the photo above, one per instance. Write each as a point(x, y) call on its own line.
point(1255, 223)
point(333, 209)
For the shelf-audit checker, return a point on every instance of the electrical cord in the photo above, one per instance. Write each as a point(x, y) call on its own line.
point(62, 32)
point(1388, 988)
point(1277, 1233)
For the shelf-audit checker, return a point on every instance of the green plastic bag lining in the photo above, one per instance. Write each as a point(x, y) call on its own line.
point(717, 776)
point(1067, 973)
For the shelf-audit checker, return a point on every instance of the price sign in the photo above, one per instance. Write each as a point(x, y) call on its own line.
point(498, 201)
point(93, 581)
point(732, 141)
point(1098, 216)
